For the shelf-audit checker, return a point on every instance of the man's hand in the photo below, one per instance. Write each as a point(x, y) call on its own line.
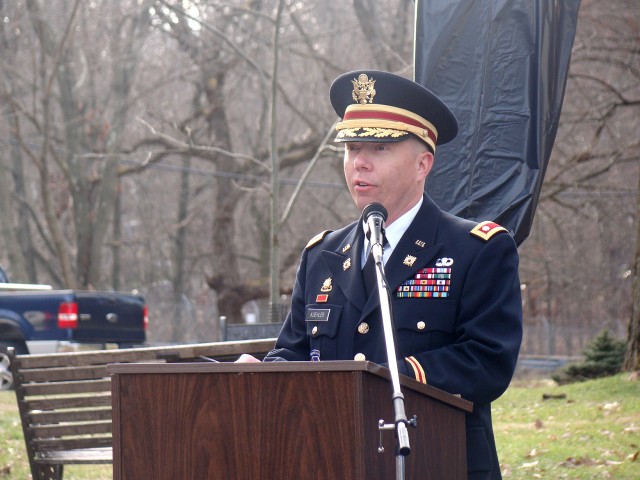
point(246, 358)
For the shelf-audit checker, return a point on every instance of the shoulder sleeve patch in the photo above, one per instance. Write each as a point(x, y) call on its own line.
point(317, 239)
point(486, 230)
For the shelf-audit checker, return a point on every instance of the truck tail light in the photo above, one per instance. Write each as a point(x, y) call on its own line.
point(145, 312)
point(68, 315)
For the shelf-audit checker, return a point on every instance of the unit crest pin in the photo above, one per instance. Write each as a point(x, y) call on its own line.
point(409, 260)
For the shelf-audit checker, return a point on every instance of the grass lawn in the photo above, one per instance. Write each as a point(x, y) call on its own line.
point(592, 432)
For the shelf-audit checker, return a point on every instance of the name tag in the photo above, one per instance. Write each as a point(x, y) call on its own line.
point(318, 315)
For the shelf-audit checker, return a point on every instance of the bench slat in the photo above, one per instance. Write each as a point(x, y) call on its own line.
point(87, 372)
point(60, 416)
point(81, 456)
point(70, 429)
point(53, 388)
point(40, 446)
point(217, 350)
point(98, 400)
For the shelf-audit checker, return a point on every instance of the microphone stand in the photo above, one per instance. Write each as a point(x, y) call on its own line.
point(400, 421)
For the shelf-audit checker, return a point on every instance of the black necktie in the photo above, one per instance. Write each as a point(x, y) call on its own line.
point(369, 274)
point(369, 271)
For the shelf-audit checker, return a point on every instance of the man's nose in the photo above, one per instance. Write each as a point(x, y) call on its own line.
point(362, 161)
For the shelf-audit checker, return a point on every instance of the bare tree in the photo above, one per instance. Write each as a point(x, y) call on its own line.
point(60, 108)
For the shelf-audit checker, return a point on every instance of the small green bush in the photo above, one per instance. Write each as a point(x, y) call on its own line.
point(604, 356)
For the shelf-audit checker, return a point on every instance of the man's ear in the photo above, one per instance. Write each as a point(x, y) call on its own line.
point(425, 163)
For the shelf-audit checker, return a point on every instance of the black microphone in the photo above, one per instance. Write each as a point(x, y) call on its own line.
point(374, 216)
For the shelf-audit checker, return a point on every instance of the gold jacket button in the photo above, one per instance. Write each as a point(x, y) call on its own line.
point(363, 328)
point(421, 325)
point(314, 330)
point(359, 357)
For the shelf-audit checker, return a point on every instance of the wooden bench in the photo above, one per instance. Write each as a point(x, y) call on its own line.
point(64, 399)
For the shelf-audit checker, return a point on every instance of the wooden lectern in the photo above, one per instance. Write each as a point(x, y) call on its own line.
point(277, 421)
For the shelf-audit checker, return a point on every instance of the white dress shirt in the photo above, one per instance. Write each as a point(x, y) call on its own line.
point(393, 233)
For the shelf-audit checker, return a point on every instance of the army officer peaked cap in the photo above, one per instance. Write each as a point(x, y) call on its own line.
point(379, 106)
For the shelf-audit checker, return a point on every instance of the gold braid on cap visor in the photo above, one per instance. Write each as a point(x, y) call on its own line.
point(385, 117)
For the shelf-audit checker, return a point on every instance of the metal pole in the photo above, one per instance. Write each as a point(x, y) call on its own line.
point(400, 419)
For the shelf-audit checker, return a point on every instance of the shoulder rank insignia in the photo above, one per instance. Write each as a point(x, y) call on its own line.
point(317, 239)
point(486, 230)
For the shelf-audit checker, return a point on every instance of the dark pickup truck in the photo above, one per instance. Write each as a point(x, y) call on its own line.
point(38, 319)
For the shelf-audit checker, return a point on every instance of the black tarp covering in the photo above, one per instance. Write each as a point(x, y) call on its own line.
point(501, 66)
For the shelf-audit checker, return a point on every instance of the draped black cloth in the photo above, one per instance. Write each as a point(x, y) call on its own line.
point(501, 66)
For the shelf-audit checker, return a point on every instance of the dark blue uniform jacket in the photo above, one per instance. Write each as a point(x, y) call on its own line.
point(462, 335)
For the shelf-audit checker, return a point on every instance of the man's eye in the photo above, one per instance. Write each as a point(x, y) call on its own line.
point(381, 146)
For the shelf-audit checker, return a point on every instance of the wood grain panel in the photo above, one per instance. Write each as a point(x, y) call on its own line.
point(275, 422)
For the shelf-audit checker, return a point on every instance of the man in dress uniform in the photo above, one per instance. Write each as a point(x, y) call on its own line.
point(454, 284)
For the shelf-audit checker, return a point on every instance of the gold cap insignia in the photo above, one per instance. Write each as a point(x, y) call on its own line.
point(326, 286)
point(409, 260)
point(363, 89)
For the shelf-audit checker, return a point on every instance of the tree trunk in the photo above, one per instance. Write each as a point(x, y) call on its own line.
point(179, 251)
point(632, 358)
point(117, 238)
point(8, 237)
point(225, 261)
point(274, 237)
